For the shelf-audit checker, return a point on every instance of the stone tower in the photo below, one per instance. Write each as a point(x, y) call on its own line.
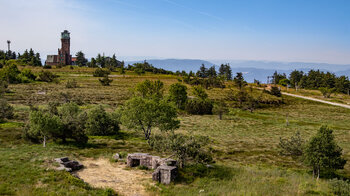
point(64, 56)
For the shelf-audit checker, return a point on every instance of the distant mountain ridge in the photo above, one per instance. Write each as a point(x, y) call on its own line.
point(251, 70)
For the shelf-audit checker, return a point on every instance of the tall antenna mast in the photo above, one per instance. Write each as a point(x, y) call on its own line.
point(8, 44)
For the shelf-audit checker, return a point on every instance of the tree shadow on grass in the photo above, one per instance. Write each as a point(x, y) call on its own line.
point(190, 173)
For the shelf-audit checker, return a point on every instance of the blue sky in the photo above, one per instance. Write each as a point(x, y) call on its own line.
point(274, 30)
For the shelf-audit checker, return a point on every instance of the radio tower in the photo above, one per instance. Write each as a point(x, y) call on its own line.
point(8, 44)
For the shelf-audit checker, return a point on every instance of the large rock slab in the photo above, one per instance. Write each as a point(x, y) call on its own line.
point(68, 165)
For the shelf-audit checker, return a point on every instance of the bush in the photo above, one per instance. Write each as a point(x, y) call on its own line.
point(99, 72)
point(69, 122)
point(47, 67)
point(101, 123)
point(275, 91)
point(293, 146)
point(10, 74)
point(6, 110)
point(327, 92)
point(340, 187)
point(46, 76)
point(28, 74)
point(184, 148)
point(199, 106)
point(105, 81)
point(71, 84)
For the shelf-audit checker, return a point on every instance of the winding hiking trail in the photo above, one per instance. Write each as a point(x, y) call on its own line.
point(318, 100)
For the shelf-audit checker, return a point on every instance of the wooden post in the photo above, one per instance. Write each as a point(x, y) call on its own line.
point(287, 121)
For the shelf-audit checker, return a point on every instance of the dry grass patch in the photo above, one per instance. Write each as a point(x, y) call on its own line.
point(101, 173)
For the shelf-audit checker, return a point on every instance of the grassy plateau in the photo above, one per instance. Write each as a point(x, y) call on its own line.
point(243, 144)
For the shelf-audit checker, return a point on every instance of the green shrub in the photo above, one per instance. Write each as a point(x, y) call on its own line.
point(67, 122)
point(275, 91)
point(292, 147)
point(47, 67)
point(10, 74)
point(28, 74)
point(105, 81)
point(47, 76)
point(183, 148)
point(340, 187)
point(199, 106)
point(6, 110)
point(101, 123)
point(71, 84)
point(99, 72)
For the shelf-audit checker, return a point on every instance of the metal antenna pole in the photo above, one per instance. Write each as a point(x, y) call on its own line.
point(8, 45)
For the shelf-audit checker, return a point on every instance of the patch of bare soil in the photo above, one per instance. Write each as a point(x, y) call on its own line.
point(103, 173)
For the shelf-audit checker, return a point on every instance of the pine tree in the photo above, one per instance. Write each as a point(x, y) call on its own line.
point(81, 60)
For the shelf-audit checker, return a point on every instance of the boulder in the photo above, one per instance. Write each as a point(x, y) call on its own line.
point(116, 157)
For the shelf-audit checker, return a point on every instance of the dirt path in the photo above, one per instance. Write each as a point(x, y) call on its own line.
point(103, 173)
point(318, 100)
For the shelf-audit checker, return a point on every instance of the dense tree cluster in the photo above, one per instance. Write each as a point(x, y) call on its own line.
point(12, 75)
point(208, 77)
point(314, 79)
point(141, 68)
point(69, 122)
point(27, 58)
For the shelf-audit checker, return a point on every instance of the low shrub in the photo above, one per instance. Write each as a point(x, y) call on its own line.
point(293, 146)
point(6, 110)
point(199, 106)
point(47, 67)
point(105, 81)
point(71, 84)
point(46, 76)
point(340, 187)
point(99, 72)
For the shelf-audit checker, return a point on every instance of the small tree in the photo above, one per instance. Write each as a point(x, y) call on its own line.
point(327, 92)
point(220, 108)
point(323, 154)
point(178, 94)
point(105, 81)
point(144, 114)
point(73, 123)
point(43, 125)
point(81, 60)
point(239, 81)
point(275, 91)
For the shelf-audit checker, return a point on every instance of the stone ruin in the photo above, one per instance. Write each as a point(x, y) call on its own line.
point(68, 165)
point(165, 169)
